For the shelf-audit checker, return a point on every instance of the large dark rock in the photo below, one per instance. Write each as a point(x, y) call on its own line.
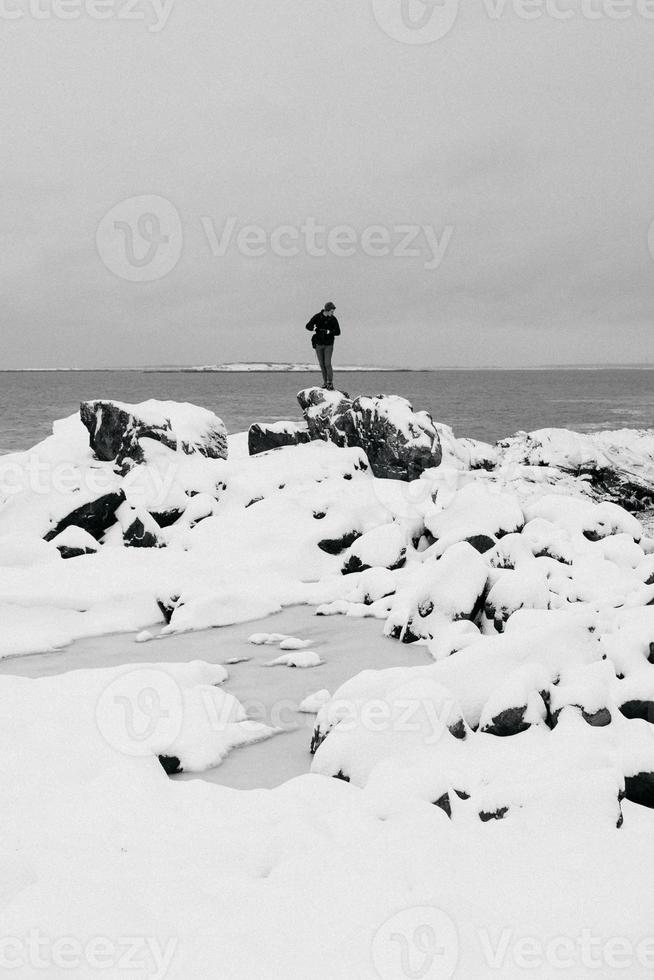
point(96, 516)
point(262, 437)
point(115, 429)
point(399, 443)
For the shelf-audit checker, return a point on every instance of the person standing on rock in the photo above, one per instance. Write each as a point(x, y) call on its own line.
point(325, 327)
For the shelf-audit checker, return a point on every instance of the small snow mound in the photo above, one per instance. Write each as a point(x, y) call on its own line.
point(314, 702)
point(301, 658)
point(144, 636)
point(267, 639)
point(294, 643)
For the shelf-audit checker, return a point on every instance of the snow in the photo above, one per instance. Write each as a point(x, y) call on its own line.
point(383, 547)
point(300, 658)
point(516, 695)
point(314, 702)
point(294, 643)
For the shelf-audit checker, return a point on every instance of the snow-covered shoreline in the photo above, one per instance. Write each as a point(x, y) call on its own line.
point(499, 793)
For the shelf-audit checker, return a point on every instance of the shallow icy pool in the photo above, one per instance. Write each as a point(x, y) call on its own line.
point(270, 694)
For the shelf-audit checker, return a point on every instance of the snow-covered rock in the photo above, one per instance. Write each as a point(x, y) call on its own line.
point(383, 547)
point(263, 437)
point(115, 429)
point(398, 442)
point(475, 509)
point(72, 542)
point(438, 590)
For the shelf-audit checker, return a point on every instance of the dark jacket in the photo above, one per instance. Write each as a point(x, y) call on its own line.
point(325, 327)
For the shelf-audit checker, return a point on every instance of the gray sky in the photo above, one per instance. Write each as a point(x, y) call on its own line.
point(532, 141)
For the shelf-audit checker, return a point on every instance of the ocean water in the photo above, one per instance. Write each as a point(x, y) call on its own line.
point(485, 405)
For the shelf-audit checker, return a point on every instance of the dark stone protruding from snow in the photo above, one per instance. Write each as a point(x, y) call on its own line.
point(508, 722)
point(115, 431)
point(166, 518)
point(336, 546)
point(640, 788)
point(399, 443)
point(485, 815)
point(481, 543)
point(67, 552)
point(138, 535)
point(444, 803)
point(96, 516)
point(638, 709)
point(262, 437)
point(168, 607)
point(171, 764)
point(596, 719)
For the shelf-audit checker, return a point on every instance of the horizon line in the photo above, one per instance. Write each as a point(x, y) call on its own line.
point(286, 367)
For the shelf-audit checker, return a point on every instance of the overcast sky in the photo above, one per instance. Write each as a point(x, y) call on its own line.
point(525, 147)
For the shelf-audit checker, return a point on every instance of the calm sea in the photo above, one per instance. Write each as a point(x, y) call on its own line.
point(483, 404)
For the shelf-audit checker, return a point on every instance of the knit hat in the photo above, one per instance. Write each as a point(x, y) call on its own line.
point(330, 306)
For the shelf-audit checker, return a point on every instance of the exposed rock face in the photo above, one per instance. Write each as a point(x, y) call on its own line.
point(142, 533)
point(608, 465)
point(638, 709)
point(508, 722)
point(115, 429)
point(336, 546)
point(640, 788)
point(399, 443)
point(96, 516)
point(262, 437)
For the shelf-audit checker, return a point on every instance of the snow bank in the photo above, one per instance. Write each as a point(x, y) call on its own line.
point(519, 754)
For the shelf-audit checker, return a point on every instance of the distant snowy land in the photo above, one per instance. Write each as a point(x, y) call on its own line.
point(240, 366)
